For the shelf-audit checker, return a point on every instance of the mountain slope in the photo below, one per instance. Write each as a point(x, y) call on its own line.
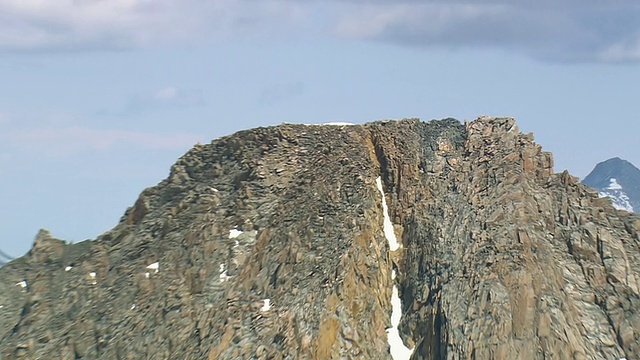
point(4, 258)
point(271, 244)
point(619, 180)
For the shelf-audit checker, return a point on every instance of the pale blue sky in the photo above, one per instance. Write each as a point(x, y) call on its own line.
point(98, 99)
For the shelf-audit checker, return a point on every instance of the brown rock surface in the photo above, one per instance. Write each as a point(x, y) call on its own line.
point(269, 244)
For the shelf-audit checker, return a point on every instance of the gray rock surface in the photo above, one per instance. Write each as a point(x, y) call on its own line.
point(269, 244)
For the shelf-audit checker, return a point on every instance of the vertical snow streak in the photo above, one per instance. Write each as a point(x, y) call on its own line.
point(398, 350)
point(388, 226)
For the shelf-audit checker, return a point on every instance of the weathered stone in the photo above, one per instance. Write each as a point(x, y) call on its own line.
point(269, 244)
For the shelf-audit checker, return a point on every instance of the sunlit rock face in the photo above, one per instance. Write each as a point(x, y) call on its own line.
point(394, 239)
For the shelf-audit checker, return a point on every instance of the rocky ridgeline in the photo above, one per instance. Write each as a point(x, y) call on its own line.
point(269, 244)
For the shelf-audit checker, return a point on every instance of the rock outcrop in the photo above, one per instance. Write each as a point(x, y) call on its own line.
point(269, 244)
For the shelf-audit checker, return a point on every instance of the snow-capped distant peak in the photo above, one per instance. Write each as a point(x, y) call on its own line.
point(618, 180)
point(619, 198)
point(620, 202)
point(613, 184)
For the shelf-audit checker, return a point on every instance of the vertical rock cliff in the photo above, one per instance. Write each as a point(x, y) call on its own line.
point(270, 244)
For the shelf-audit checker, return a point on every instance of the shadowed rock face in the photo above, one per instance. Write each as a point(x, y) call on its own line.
point(269, 244)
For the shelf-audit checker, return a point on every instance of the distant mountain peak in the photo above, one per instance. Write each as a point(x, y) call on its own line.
point(619, 180)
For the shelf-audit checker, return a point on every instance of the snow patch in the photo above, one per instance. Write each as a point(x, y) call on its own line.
point(147, 275)
point(332, 123)
point(266, 306)
point(154, 266)
point(234, 234)
point(398, 350)
point(223, 273)
point(388, 226)
point(619, 199)
point(92, 275)
point(22, 284)
point(68, 268)
point(613, 184)
point(132, 307)
point(337, 123)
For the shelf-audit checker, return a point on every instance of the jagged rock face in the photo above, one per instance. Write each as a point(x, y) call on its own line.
point(269, 244)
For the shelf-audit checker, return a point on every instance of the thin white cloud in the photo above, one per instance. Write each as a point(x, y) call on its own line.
point(590, 30)
point(77, 139)
point(75, 25)
point(277, 93)
point(623, 51)
point(570, 30)
point(163, 98)
point(169, 93)
point(180, 97)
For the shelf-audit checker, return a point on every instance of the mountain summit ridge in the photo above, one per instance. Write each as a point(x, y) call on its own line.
point(271, 244)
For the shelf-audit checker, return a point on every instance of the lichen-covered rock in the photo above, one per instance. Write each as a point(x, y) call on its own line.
point(269, 244)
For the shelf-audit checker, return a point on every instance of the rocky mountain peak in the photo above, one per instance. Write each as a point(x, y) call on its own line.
point(393, 239)
point(618, 180)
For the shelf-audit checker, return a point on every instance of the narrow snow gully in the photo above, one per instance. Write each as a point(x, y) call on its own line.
point(398, 350)
point(388, 226)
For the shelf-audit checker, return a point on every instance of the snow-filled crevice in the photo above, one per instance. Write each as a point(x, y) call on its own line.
point(398, 350)
point(389, 233)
